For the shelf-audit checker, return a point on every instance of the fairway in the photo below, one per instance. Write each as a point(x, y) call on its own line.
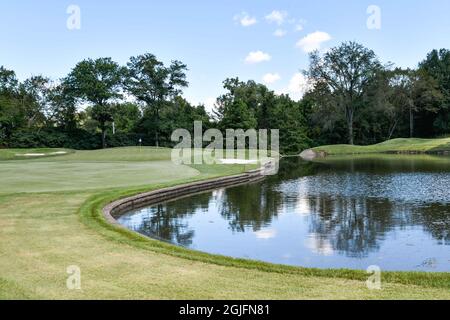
point(26, 176)
point(42, 234)
point(88, 170)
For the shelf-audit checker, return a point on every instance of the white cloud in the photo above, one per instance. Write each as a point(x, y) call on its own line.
point(257, 57)
point(298, 83)
point(245, 19)
point(279, 33)
point(313, 41)
point(265, 234)
point(319, 245)
point(299, 27)
point(277, 17)
point(210, 104)
point(297, 87)
point(271, 78)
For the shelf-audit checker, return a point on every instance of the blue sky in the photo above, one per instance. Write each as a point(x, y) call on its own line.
point(216, 39)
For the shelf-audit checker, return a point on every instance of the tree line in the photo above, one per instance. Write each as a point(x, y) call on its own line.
point(356, 98)
point(352, 98)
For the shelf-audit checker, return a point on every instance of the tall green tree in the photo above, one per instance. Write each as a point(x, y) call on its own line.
point(400, 98)
point(286, 115)
point(182, 114)
point(35, 98)
point(63, 109)
point(346, 72)
point(8, 81)
point(97, 82)
point(326, 123)
point(409, 94)
point(23, 105)
point(11, 116)
point(153, 84)
point(256, 96)
point(437, 67)
point(250, 105)
point(237, 115)
point(126, 116)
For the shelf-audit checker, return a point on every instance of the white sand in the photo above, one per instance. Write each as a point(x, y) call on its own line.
point(39, 154)
point(237, 161)
point(30, 154)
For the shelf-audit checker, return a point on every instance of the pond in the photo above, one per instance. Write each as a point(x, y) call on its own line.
point(392, 211)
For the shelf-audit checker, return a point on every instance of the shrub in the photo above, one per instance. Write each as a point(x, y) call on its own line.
point(78, 139)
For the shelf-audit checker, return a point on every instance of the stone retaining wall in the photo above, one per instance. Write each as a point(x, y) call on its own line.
point(121, 206)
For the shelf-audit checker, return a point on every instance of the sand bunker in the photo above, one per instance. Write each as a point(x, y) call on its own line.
point(30, 154)
point(237, 161)
point(40, 154)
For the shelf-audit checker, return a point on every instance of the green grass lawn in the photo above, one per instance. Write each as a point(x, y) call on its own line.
point(395, 145)
point(16, 154)
point(50, 219)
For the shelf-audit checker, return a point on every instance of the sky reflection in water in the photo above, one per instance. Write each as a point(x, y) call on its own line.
point(342, 212)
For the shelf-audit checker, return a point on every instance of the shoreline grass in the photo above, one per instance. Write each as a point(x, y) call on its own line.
point(91, 214)
point(407, 145)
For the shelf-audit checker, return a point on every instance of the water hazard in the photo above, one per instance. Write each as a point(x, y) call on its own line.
point(343, 212)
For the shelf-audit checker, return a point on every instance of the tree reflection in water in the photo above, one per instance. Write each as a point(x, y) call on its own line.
point(349, 206)
point(168, 221)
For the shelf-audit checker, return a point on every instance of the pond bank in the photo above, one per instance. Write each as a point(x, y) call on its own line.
point(395, 146)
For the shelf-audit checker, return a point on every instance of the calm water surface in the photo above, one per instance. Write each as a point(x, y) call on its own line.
point(343, 212)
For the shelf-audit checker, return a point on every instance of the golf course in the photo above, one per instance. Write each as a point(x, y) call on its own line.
point(50, 219)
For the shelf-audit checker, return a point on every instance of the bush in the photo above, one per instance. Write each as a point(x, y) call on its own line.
point(78, 139)
point(41, 139)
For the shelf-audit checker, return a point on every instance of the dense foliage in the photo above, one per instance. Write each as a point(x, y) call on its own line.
point(356, 99)
point(351, 98)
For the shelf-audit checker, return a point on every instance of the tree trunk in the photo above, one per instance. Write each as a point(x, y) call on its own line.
point(350, 133)
point(157, 126)
point(349, 116)
point(103, 128)
point(391, 131)
point(411, 123)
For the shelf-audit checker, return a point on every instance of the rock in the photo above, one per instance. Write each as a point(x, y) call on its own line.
point(308, 154)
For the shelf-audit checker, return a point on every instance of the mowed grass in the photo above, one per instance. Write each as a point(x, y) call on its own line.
point(412, 145)
point(17, 154)
point(131, 154)
point(44, 232)
point(63, 176)
point(100, 169)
